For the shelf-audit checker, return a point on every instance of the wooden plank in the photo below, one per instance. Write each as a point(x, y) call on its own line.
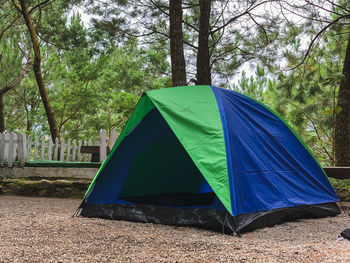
point(55, 154)
point(103, 146)
point(49, 149)
point(74, 151)
point(90, 149)
point(94, 151)
point(68, 149)
point(2, 149)
point(43, 146)
point(62, 150)
point(36, 145)
point(337, 172)
point(10, 152)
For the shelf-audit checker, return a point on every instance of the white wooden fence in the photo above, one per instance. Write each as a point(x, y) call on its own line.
point(17, 147)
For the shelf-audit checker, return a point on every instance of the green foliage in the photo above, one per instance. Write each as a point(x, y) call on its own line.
point(307, 96)
point(90, 88)
point(95, 73)
point(258, 86)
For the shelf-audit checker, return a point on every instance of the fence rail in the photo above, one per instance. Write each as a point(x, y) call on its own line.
point(17, 147)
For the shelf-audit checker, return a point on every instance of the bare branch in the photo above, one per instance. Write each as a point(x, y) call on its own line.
point(339, 6)
point(248, 10)
point(263, 29)
point(42, 4)
point(318, 135)
point(17, 5)
point(322, 8)
point(21, 76)
point(118, 122)
point(317, 36)
point(9, 26)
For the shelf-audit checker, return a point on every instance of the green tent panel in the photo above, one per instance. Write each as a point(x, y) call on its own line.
point(196, 123)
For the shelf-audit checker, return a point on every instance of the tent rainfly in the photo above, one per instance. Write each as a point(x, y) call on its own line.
point(212, 158)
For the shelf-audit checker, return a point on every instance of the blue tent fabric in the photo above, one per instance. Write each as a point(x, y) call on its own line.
point(268, 166)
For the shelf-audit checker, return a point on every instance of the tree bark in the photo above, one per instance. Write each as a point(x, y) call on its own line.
point(203, 56)
point(342, 121)
point(37, 70)
point(178, 64)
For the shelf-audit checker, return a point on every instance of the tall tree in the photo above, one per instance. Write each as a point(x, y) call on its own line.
point(232, 31)
point(178, 64)
point(342, 123)
point(25, 12)
point(203, 56)
point(320, 18)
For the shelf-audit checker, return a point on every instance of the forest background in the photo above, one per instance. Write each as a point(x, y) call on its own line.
point(71, 68)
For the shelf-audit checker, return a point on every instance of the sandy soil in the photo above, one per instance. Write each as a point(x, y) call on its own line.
point(43, 230)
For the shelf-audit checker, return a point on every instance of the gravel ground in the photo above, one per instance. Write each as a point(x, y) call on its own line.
point(42, 230)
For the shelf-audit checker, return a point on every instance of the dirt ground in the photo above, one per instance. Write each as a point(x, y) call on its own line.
point(43, 230)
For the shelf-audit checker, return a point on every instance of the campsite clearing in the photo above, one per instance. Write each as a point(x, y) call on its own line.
point(43, 230)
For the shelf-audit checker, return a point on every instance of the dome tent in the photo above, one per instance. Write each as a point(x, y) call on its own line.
point(208, 157)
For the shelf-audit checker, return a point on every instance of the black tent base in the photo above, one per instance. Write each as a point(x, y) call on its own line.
point(206, 218)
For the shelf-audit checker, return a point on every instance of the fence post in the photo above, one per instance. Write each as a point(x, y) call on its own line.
point(55, 155)
point(79, 153)
point(113, 138)
point(68, 150)
point(24, 137)
point(103, 146)
point(36, 145)
point(43, 146)
point(62, 150)
point(74, 150)
point(21, 139)
point(2, 149)
point(10, 152)
point(89, 155)
point(49, 149)
point(29, 147)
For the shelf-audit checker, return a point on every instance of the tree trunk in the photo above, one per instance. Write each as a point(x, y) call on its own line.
point(342, 121)
point(2, 114)
point(178, 64)
point(37, 71)
point(203, 57)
